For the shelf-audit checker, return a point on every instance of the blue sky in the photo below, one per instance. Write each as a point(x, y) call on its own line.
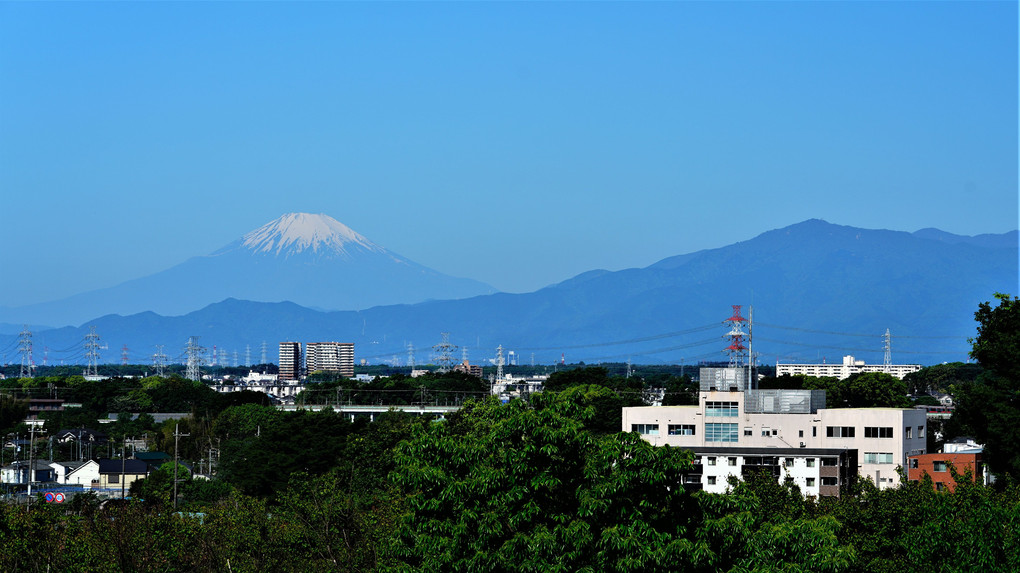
point(515, 143)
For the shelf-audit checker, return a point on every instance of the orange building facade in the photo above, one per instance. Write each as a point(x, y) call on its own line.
point(937, 466)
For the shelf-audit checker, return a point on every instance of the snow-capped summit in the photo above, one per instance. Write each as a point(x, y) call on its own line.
point(296, 232)
point(312, 260)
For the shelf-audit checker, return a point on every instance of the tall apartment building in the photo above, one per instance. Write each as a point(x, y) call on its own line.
point(331, 357)
point(290, 361)
point(739, 422)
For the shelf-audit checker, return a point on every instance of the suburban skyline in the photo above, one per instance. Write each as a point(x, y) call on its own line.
point(515, 144)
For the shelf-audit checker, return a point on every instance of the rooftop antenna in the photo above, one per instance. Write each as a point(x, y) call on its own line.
point(92, 352)
point(25, 348)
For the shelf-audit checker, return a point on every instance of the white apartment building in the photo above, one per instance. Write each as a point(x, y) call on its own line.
point(785, 420)
point(849, 367)
point(330, 357)
point(817, 471)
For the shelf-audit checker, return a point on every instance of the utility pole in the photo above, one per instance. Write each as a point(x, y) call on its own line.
point(31, 441)
point(177, 439)
point(123, 464)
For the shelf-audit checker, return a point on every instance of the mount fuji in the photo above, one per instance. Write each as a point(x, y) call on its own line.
point(312, 260)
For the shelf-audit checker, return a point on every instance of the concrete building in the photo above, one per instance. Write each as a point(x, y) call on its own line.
point(291, 363)
point(331, 357)
point(849, 367)
point(817, 471)
point(938, 467)
point(784, 420)
point(468, 368)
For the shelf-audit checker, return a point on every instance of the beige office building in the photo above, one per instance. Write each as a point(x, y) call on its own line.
point(784, 420)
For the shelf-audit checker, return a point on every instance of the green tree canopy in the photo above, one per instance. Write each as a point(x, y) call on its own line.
point(989, 408)
point(521, 487)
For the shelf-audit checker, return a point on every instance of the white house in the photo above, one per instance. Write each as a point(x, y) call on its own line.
point(83, 473)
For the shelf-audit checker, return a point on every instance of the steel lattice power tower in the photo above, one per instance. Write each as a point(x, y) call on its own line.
point(25, 349)
point(194, 352)
point(736, 350)
point(247, 354)
point(159, 361)
point(445, 351)
point(887, 359)
point(92, 352)
point(410, 355)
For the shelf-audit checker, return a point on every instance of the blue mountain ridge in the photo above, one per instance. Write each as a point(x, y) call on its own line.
point(818, 290)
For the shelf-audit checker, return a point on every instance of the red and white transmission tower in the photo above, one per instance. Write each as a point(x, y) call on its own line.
point(736, 350)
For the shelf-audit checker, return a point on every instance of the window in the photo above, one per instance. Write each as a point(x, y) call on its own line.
point(748, 431)
point(800, 433)
point(940, 486)
point(940, 466)
point(810, 462)
point(828, 462)
point(788, 462)
point(877, 432)
point(829, 481)
point(920, 431)
point(907, 433)
point(877, 458)
point(731, 461)
point(765, 432)
point(839, 431)
point(711, 461)
point(913, 463)
point(811, 482)
point(721, 432)
point(814, 431)
point(681, 429)
point(692, 478)
point(645, 429)
point(722, 409)
point(711, 480)
point(114, 478)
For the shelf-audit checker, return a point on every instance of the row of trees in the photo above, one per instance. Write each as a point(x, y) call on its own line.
point(501, 487)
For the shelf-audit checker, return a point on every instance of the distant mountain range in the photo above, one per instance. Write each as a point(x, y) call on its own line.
point(312, 260)
point(818, 291)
